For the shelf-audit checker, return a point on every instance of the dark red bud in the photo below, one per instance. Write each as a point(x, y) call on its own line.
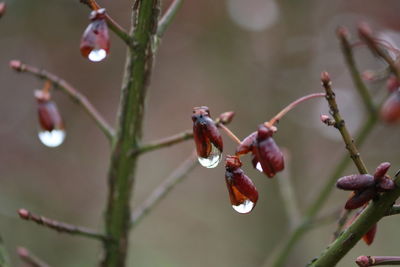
point(268, 153)
point(205, 133)
point(246, 145)
point(386, 184)
point(242, 192)
point(355, 182)
point(390, 111)
point(232, 163)
point(381, 171)
point(226, 117)
point(370, 235)
point(359, 198)
point(364, 261)
point(392, 84)
point(49, 116)
point(95, 42)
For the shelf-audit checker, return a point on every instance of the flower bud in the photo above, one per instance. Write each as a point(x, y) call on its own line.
point(381, 171)
point(95, 42)
point(359, 198)
point(2, 8)
point(364, 261)
point(242, 192)
point(390, 111)
point(247, 144)
point(355, 182)
point(207, 138)
point(226, 117)
point(392, 84)
point(267, 152)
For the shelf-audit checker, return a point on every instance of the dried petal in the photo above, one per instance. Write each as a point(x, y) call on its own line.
point(381, 170)
point(205, 132)
point(267, 152)
point(242, 192)
point(95, 42)
point(390, 111)
point(359, 198)
point(355, 182)
point(247, 144)
point(370, 235)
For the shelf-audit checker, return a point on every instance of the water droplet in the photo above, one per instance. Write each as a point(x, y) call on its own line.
point(52, 138)
point(258, 167)
point(245, 207)
point(97, 55)
point(213, 160)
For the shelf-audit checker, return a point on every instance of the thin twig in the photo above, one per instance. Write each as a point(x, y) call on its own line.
point(165, 142)
point(168, 17)
point(355, 74)
point(112, 24)
point(30, 259)
point(288, 193)
point(164, 188)
point(230, 134)
point(70, 91)
point(61, 227)
point(366, 35)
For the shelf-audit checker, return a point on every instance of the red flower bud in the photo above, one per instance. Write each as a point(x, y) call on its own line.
point(267, 152)
point(370, 235)
point(386, 184)
point(226, 117)
point(392, 84)
point(247, 144)
point(242, 192)
point(51, 132)
point(355, 182)
point(2, 8)
point(95, 42)
point(364, 261)
point(207, 138)
point(381, 171)
point(390, 111)
point(359, 198)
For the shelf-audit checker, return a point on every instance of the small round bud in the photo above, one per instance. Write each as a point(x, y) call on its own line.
point(342, 32)
point(364, 29)
point(16, 65)
point(2, 8)
point(226, 117)
point(22, 252)
point(363, 261)
point(24, 214)
point(325, 79)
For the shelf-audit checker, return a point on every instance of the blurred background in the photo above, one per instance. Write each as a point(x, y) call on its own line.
point(253, 57)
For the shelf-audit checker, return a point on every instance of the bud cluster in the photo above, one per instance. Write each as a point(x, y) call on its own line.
point(366, 186)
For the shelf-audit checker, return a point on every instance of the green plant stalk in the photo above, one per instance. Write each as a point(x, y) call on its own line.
point(130, 120)
point(4, 260)
point(349, 238)
point(324, 193)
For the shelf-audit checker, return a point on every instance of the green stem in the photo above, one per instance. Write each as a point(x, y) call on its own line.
point(349, 238)
point(4, 259)
point(168, 17)
point(132, 104)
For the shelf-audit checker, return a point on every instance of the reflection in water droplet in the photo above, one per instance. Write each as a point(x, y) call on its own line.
point(245, 207)
point(258, 167)
point(97, 55)
point(53, 138)
point(213, 160)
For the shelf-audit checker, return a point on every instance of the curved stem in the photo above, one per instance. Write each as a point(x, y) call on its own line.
point(230, 133)
point(112, 24)
point(70, 91)
point(168, 17)
point(292, 105)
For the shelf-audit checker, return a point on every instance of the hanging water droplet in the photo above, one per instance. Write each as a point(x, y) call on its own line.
point(97, 55)
point(245, 207)
point(258, 167)
point(213, 159)
point(52, 138)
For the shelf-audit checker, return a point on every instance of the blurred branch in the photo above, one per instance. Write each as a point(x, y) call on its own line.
point(288, 193)
point(366, 35)
point(30, 259)
point(61, 226)
point(4, 259)
point(168, 17)
point(163, 189)
point(394, 210)
point(355, 74)
point(70, 91)
point(112, 24)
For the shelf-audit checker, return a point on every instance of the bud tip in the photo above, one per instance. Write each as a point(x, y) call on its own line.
point(23, 213)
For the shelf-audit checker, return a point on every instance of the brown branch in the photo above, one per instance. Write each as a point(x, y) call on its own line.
point(61, 227)
point(112, 24)
point(70, 91)
point(164, 188)
point(30, 259)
